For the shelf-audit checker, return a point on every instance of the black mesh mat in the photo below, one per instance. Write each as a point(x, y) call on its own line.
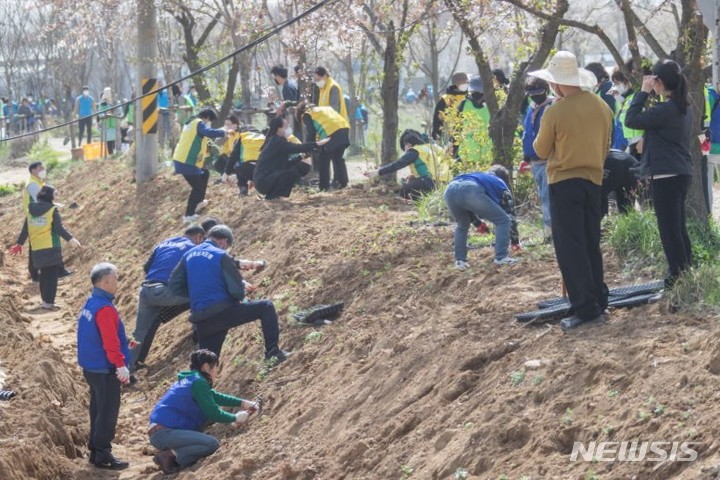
point(318, 314)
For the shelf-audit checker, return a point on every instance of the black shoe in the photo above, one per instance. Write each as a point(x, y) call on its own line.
point(243, 191)
point(574, 321)
point(91, 458)
point(64, 273)
point(276, 356)
point(108, 461)
point(140, 365)
point(166, 461)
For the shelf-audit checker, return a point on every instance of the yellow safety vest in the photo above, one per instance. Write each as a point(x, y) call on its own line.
point(40, 232)
point(250, 145)
point(451, 101)
point(191, 149)
point(26, 194)
point(324, 98)
point(327, 121)
point(229, 144)
point(436, 163)
point(294, 139)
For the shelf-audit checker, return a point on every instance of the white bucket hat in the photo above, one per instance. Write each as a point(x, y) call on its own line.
point(563, 70)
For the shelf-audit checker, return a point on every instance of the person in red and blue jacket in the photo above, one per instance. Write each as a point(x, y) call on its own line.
point(177, 420)
point(103, 354)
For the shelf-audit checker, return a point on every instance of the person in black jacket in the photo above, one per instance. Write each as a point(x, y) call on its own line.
point(44, 227)
point(449, 100)
point(666, 158)
point(619, 177)
point(276, 173)
point(289, 89)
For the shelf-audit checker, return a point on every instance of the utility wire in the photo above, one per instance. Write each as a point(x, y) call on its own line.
point(266, 36)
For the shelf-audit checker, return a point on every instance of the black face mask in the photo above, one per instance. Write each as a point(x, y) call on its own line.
point(538, 99)
point(476, 97)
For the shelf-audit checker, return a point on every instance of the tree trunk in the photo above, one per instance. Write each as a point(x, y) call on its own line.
point(226, 106)
point(391, 92)
point(245, 79)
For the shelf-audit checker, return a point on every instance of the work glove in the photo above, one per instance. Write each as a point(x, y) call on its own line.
point(75, 242)
point(15, 249)
point(241, 417)
point(516, 247)
point(251, 407)
point(123, 374)
point(524, 167)
point(371, 173)
point(482, 228)
point(223, 177)
point(249, 287)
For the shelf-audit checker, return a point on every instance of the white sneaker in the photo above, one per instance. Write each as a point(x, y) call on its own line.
point(505, 261)
point(48, 306)
point(189, 219)
point(201, 205)
point(461, 265)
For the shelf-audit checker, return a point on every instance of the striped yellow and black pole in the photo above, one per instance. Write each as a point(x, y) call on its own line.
point(149, 106)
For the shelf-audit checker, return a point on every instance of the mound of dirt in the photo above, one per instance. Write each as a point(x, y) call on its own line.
point(425, 375)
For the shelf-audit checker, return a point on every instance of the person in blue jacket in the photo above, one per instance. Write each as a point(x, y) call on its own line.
point(482, 195)
point(103, 355)
point(177, 420)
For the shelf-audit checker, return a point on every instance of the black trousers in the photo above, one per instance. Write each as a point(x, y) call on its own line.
point(34, 272)
point(575, 213)
point(110, 146)
point(104, 408)
point(49, 282)
point(669, 195)
point(244, 172)
point(416, 187)
point(211, 332)
point(85, 123)
point(198, 185)
point(340, 175)
point(281, 182)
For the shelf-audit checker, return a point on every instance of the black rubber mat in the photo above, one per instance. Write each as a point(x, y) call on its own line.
point(621, 292)
point(318, 314)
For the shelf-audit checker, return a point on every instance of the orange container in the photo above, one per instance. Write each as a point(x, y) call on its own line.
point(93, 151)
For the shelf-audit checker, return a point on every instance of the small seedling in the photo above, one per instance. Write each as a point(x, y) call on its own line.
point(608, 430)
point(591, 475)
point(461, 474)
point(406, 470)
point(612, 393)
point(313, 337)
point(468, 425)
point(686, 347)
point(517, 377)
point(659, 410)
point(568, 417)
point(686, 414)
point(643, 415)
point(537, 380)
point(239, 361)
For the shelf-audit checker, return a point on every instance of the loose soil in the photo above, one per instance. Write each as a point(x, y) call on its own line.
point(424, 375)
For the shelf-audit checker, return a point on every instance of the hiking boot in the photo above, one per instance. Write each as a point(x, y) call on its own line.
point(276, 355)
point(201, 205)
point(64, 273)
point(243, 191)
point(108, 461)
point(505, 261)
point(461, 265)
point(189, 219)
point(165, 459)
point(574, 321)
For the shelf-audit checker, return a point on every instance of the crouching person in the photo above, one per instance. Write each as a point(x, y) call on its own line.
point(177, 420)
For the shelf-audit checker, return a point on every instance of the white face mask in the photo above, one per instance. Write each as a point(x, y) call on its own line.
point(621, 88)
point(42, 173)
point(86, 93)
point(463, 87)
point(320, 83)
point(288, 132)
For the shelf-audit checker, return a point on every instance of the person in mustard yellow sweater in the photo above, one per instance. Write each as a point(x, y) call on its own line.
point(574, 136)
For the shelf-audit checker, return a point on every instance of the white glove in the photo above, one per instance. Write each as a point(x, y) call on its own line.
point(223, 177)
point(241, 417)
point(75, 242)
point(371, 173)
point(123, 374)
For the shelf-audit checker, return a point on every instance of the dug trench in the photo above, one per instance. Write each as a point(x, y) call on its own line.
point(424, 375)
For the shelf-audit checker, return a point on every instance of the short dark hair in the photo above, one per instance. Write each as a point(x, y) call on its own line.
point(208, 113)
point(535, 84)
point(194, 230)
point(46, 193)
point(598, 70)
point(413, 137)
point(500, 172)
point(85, 87)
point(618, 76)
point(102, 270)
point(210, 223)
point(280, 71)
point(321, 71)
point(221, 232)
point(33, 166)
point(233, 119)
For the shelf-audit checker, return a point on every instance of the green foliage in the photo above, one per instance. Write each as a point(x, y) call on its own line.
point(314, 337)
point(431, 206)
point(524, 190)
point(41, 151)
point(698, 289)
point(5, 151)
point(635, 236)
point(8, 190)
point(471, 136)
point(517, 377)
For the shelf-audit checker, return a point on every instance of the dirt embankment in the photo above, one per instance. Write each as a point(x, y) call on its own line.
point(425, 375)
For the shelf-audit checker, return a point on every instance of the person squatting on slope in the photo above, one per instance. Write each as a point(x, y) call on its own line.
point(276, 172)
point(189, 158)
point(428, 164)
point(178, 418)
point(487, 196)
point(43, 225)
point(211, 279)
point(666, 158)
point(243, 158)
point(619, 176)
point(325, 123)
point(574, 137)
point(104, 356)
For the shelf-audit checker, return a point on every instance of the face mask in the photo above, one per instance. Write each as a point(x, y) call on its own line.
point(538, 99)
point(463, 87)
point(320, 83)
point(621, 88)
point(86, 93)
point(476, 96)
point(288, 132)
point(41, 174)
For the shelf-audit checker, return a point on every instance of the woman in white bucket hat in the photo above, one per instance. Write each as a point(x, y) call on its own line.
point(574, 137)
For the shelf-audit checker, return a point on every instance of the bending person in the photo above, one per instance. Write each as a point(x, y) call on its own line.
point(177, 420)
point(428, 164)
point(244, 157)
point(276, 173)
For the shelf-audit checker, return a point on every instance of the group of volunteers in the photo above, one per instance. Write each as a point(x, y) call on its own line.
point(574, 116)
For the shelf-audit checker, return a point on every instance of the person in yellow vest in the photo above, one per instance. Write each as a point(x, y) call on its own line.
point(428, 163)
point(321, 123)
point(244, 157)
point(473, 146)
point(277, 172)
point(44, 227)
point(232, 127)
point(32, 188)
point(189, 158)
point(328, 93)
point(452, 96)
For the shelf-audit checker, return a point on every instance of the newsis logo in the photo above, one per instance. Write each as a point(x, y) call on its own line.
point(634, 451)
